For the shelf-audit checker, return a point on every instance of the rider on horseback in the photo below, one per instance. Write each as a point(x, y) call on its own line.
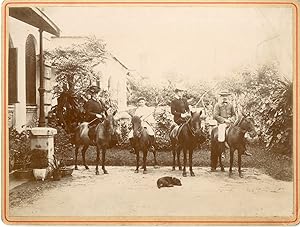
point(225, 115)
point(144, 113)
point(95, 111)
point(179, 106)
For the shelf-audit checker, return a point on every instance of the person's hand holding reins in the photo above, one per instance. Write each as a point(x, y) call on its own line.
point(99, 116)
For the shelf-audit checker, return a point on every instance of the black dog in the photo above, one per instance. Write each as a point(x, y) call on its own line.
point(168, 182)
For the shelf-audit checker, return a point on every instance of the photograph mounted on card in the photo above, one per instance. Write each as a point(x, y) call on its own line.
point(150, 112)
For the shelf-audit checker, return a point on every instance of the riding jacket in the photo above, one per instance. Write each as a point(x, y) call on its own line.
point(179, 106)
point(93, 107)
point(224, 111)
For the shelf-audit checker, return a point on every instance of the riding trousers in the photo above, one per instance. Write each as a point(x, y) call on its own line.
point(146, 125)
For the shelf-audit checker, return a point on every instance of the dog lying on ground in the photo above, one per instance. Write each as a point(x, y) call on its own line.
point(168, 182)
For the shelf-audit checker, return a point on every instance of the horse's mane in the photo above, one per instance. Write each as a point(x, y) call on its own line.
point(136, 120)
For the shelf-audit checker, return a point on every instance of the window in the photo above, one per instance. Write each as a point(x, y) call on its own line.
point(30, 61)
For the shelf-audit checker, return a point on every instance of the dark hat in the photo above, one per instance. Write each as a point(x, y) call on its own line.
point(141, 98)
point(224, 93)
point(94, 89)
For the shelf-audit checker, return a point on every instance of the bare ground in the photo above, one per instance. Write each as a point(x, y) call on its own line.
point(125, 193)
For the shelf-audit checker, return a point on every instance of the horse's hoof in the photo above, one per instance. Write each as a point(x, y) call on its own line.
point(97, 172)
point(213, 170)
point(180, 168)
point(105, 172)
point(136, 171)
point(76, 168)
point(173, 168)
point(222, 169)
point(156, 167)
point(192, 174)
point(145, 171)
point(86, 167)
point(184, 174)
point(241, 175)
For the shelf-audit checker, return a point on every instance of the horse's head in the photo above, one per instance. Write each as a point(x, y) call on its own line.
point(195, 123)
point(247, 124)
point(110, 123)
point(136, 126)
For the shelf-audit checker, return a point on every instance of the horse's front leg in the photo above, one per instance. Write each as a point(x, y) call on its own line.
point(191, 162)
point(103, 160)
point(97, 159)
point(221, 164)
point(76, 154)
point(240, 162)
point(155, 160)
point(174, 155)
point(83, 151)
point(184, 162)
point(137, 153)
point(178, 156)
point(231, 160)
point(145, 152)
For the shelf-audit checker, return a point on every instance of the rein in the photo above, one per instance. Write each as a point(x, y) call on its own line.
point(237, 125)
point(192, 131)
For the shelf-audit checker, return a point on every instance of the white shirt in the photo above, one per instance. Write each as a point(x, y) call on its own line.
point(145, 112)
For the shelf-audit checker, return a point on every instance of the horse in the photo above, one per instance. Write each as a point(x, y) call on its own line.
point(141, 141)
point(104, 133)
point(235, 139)
point(186, 137)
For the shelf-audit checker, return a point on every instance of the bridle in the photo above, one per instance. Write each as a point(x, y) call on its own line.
point(238, 123)
point(191, 129)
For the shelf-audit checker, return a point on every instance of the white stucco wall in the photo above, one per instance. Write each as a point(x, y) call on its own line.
point(19, 32)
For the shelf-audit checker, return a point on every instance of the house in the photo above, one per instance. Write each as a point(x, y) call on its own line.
point(112, 74)
point(28, 28)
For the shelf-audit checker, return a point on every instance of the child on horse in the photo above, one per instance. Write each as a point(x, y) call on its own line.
point(145, 113)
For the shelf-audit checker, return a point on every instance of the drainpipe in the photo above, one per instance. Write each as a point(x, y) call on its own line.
point(42, 122)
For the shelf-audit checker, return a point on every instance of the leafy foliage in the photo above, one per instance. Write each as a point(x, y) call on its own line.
point(19, 148)
point(74, 70)
point(267, 97)
point(74, 65)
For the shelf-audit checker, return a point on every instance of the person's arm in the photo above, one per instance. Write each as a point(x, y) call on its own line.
point(173, 109)
point(186, 106)
point(217, 113)
point(233, 115)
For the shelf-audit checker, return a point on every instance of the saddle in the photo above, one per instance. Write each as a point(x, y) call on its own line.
point(176, 131)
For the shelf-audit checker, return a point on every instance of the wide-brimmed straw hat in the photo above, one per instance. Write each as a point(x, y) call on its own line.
point(224, 93)
point(141, 98)
point(180, 87)
point(94, 89)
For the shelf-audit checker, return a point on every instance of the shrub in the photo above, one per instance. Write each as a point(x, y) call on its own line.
point(19, 148)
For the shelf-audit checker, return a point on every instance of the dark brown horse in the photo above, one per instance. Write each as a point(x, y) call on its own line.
point(103, 138)
point(141, 142)
point(186, 138)
point(235, 139)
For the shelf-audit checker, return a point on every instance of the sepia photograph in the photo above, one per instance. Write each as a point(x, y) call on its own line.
point(150, 113)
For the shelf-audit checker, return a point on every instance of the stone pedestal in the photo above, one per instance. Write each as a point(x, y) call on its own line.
point(42, 138)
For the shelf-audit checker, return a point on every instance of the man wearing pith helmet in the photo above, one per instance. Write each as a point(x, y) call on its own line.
point(179, 106)
point(224, 114)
